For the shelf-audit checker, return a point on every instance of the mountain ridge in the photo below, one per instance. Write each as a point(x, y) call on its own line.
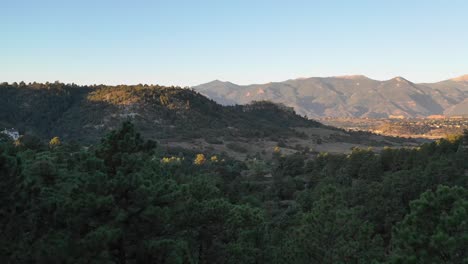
point(462, 78)
point(350, 96)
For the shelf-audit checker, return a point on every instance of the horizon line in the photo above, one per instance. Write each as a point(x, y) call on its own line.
point(460, 78)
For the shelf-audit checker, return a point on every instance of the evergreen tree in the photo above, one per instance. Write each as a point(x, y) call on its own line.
point(332, 233)
point(435, 230)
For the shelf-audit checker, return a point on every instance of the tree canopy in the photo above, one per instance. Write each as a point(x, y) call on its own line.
point(126, 200)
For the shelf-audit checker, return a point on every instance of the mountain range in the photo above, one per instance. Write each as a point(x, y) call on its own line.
point(350, 96)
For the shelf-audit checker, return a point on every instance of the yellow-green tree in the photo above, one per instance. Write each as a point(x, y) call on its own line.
point(54, 142)
point(276, 150)
point(200, 159)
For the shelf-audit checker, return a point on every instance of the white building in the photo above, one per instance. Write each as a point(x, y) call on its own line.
point(12, 133)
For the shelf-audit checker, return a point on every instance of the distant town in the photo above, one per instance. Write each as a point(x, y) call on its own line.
point(432, 127)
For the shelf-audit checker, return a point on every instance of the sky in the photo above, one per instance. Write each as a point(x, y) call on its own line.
point(186, 43)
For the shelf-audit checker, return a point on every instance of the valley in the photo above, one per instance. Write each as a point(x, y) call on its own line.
point(428, 128)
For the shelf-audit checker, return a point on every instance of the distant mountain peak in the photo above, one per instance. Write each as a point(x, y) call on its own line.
point(400, 79)
point(351, 77)
point(219, 82)
point(463, 78)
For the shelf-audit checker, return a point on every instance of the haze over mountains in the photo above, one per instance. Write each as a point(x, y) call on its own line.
point(350, 96)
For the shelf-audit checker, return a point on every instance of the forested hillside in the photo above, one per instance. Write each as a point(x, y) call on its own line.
point(86, 113)
point(173, 116)
point(126, 200)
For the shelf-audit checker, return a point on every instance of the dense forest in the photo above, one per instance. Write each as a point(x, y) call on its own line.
point(126, 200)
point(87, 113)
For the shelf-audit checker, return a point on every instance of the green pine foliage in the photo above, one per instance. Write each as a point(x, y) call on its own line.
point(126, 200)
point(88, 113)
point(435, 230)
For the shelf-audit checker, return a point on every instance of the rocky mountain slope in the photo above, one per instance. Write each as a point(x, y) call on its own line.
point(350, 96)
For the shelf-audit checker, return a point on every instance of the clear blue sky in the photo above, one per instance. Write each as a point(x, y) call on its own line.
point(186, 43)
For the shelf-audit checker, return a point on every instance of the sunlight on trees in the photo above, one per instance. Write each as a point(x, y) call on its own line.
point(54, 142)
point(199, 159)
